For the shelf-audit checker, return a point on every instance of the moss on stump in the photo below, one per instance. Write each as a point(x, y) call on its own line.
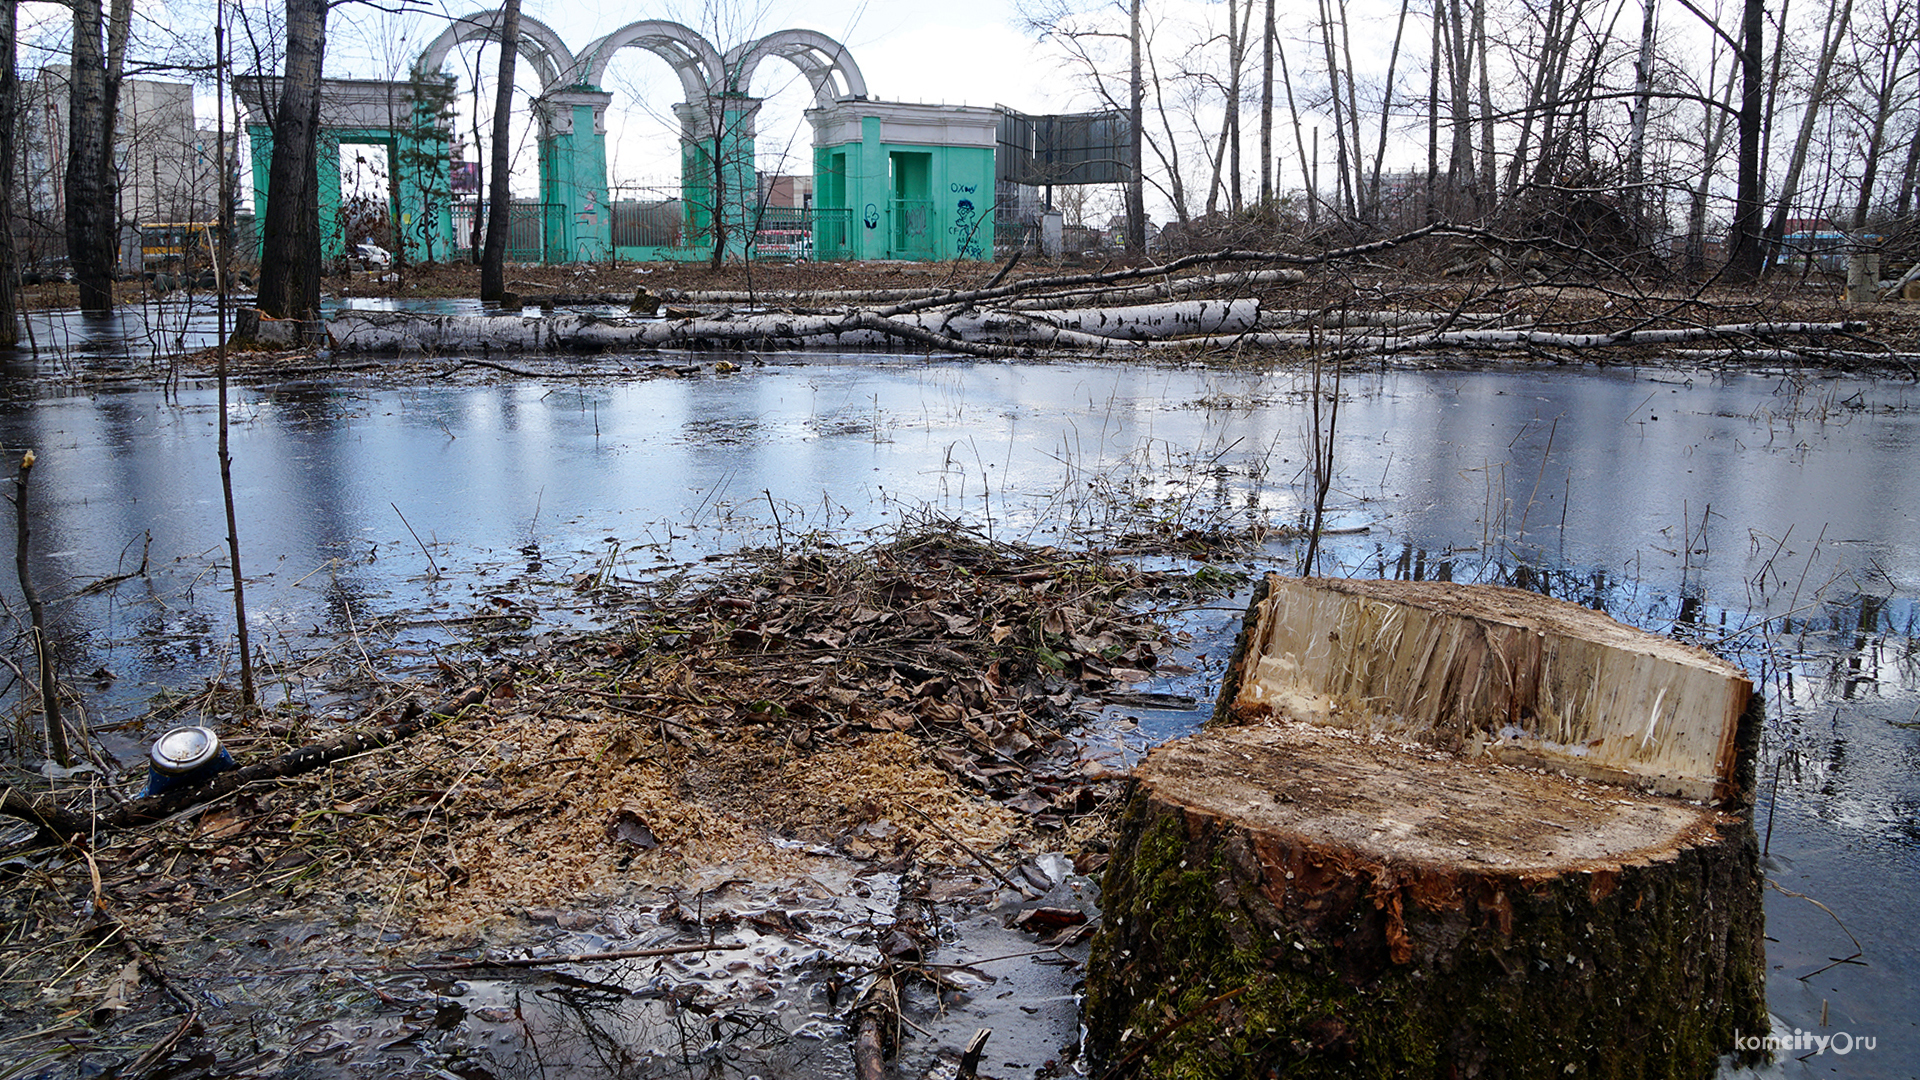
point(1290, 898)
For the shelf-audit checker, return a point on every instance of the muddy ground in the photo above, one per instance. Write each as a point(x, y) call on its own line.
point(810, 790)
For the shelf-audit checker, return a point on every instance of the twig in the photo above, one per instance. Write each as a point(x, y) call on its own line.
point(970, 1059)
point(569, 958)
point(57, 747)
point(969, 849)
point(431, 565)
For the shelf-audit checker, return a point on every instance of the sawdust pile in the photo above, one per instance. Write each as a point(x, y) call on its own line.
point(911, 698)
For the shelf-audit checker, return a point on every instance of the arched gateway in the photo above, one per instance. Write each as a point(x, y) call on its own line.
point(892, 180)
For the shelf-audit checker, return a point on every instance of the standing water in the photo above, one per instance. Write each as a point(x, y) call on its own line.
point(1768, 516)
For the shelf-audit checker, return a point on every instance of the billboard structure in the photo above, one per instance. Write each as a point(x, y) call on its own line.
point(1073, 148)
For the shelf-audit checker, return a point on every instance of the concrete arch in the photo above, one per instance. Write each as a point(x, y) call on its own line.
point(693, 57)
point(539, 45)
point(826, 63)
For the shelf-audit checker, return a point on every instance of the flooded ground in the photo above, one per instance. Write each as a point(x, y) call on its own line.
point(1770, 516)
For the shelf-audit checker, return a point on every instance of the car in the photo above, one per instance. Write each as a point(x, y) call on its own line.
point(371, 254)
point(53, 269)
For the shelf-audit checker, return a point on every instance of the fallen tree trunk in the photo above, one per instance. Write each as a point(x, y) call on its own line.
point(59, 824)
point(1281, 318)
point(402, 332)
point(1384, 341)
point(1194, 286)
point(1391, 848)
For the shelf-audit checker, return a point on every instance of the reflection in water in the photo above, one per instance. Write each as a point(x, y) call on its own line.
point(1767, 518)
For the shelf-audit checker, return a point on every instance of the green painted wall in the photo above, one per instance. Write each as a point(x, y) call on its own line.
point(421, 211)
point(573, 176)
point(904, 201)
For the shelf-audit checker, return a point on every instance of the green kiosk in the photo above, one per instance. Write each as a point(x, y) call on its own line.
point(900, 181)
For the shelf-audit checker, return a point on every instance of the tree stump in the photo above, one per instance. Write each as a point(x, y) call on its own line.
point(1439, 830)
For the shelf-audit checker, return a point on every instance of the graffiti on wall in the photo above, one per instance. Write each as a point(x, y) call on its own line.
point(966, 224)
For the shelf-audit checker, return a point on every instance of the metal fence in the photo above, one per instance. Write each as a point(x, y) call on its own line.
point(913, 229)
point(528, 227)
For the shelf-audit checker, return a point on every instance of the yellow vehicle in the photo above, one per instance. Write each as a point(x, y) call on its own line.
point(177, 245)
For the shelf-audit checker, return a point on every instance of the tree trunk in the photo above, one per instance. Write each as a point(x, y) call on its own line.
point(9, 114)
point(1169, 157)
point(1370, 207)
point(1461, 174)
point(1346, 874)
point(1343, 190)
point(290, 226)
point(1715, 124)
point(1543, 98)
point(1136, 184)
point(1354, 138)
point(1816, 98)
point(493, 264)
point(1743, 248)
point(1893, 53)
point(1903, 204)
point(1433, 121)
point(89, 189)
point(1299, 137)
point(1237, 43)
point(1637, 125)
point(1488, 193)
point(1267, 32)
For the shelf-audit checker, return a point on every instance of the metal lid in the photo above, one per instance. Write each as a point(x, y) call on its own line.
point(185, 749)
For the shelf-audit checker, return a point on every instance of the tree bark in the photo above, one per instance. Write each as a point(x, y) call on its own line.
point(290, 225)
point(1642, 106)
point(1744, 249)
point(1268, 30)
point(493, 263)
point(9, 115)
point(89, 184)
point(1136, 184)
point(1343, 875)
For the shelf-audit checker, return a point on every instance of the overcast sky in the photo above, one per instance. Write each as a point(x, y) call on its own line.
point(969, 53)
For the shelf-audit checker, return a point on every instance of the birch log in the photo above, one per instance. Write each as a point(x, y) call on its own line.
point(1425, 835)
point(403, 332)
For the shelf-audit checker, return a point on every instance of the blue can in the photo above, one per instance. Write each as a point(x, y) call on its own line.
point(185, 757)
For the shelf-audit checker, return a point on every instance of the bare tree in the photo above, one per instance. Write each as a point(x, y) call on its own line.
point(1744, 253)
point(290, 227)
point(1268, 32)
point(1136, 185)
point(1830, 38)
point(1881, 49)
point(9, 113)
point(493, 262)
point(91, 182)
point(1642, 106)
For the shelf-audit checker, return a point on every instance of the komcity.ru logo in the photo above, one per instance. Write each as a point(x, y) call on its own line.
point(1839, 1042)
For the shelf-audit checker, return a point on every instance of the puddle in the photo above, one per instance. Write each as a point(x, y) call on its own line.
point(1770, 516)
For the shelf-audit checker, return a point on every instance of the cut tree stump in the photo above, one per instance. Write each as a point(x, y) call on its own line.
point(1437, 830)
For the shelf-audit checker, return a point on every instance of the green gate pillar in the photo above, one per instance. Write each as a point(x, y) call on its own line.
point(369, 112)
point(573, 173)
point(900, 181)
point(717, 168)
